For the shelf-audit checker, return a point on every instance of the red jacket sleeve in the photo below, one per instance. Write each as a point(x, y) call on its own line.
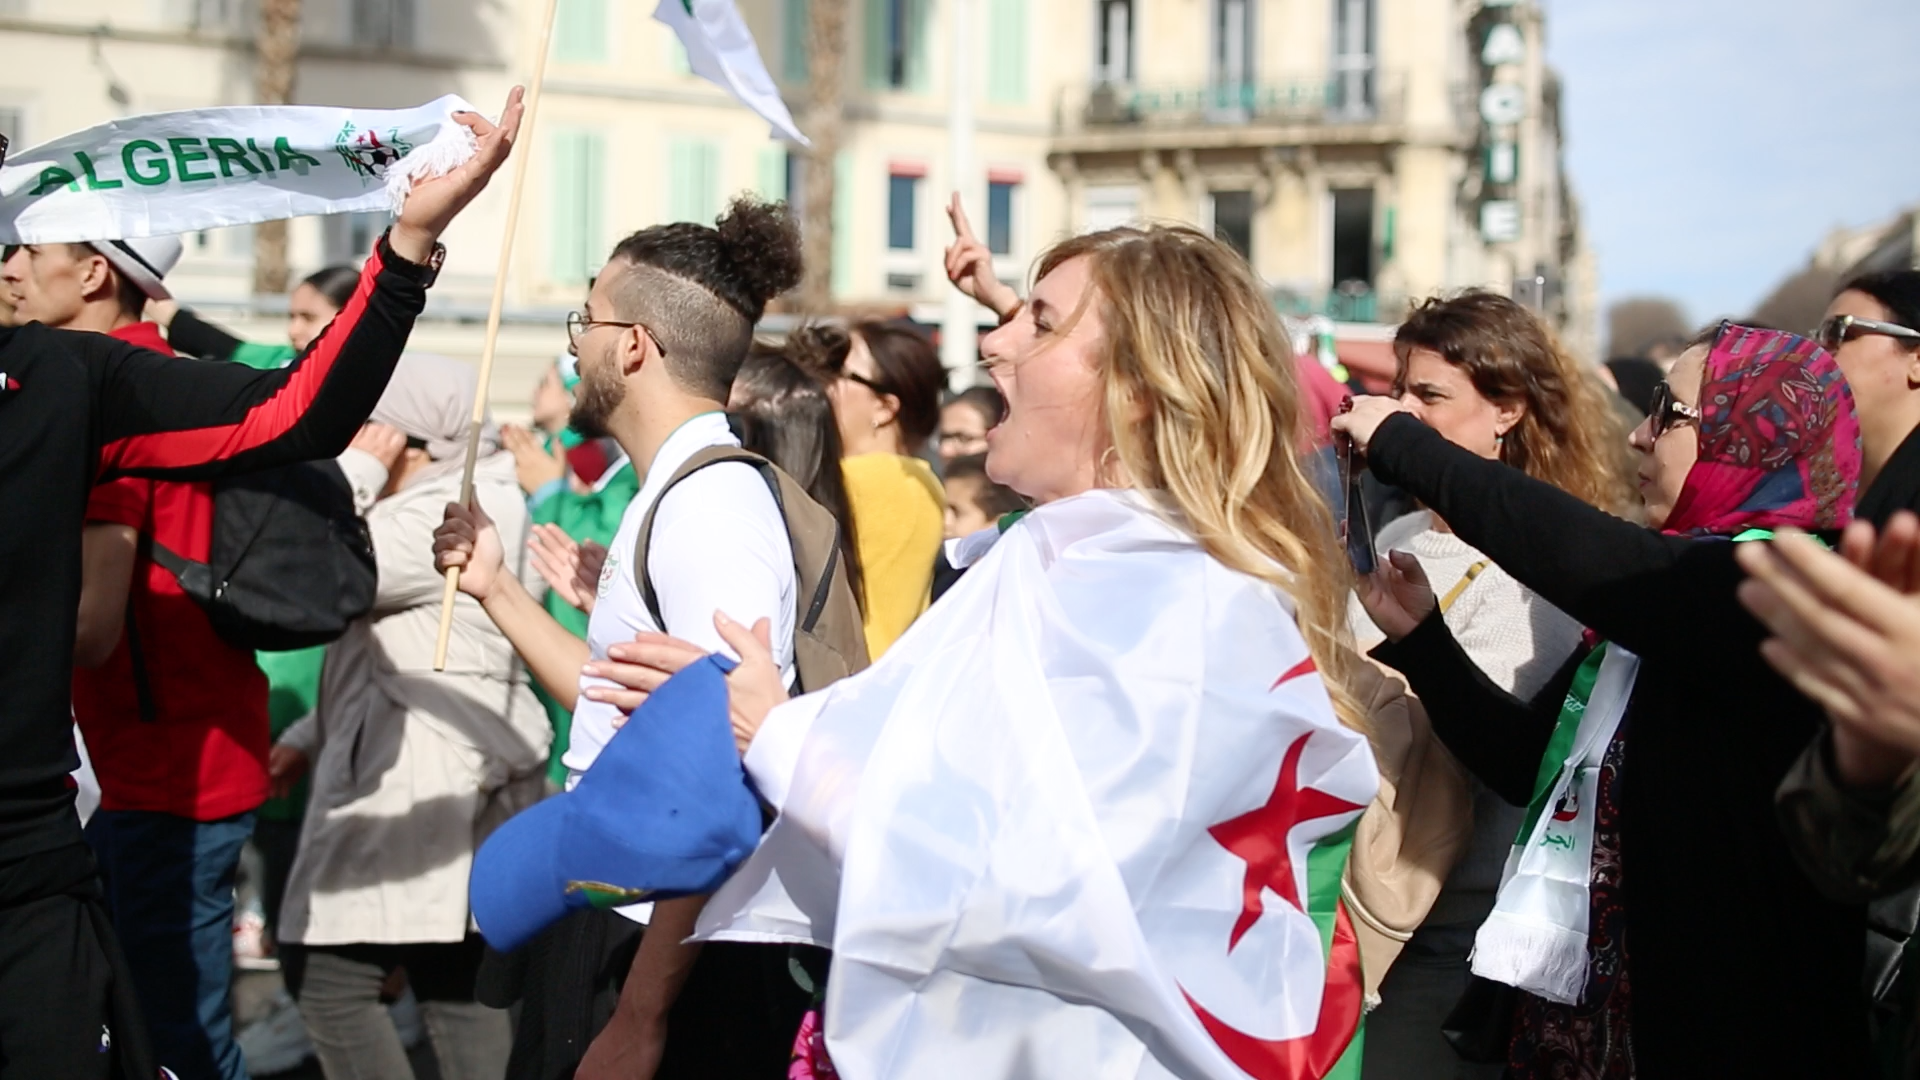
point(177, 418)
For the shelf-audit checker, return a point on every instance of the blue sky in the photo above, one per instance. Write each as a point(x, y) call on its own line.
point(1714, 142)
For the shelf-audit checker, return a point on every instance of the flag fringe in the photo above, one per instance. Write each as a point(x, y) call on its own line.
point(449, 149)
point(1540, 958)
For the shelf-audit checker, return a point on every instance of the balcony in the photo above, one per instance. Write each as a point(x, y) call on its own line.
point(1308, 109)
point(1350, 303)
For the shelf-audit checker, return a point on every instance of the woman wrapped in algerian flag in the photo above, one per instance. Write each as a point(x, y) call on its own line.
point(1089, 816)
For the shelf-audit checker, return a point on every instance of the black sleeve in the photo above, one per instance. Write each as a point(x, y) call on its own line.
point(190, 334)
point(174, 418)
point(1653, 594)
point(1497, 736)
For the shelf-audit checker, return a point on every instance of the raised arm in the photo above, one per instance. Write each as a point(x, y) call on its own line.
point(1651, 593)
point(183, 419)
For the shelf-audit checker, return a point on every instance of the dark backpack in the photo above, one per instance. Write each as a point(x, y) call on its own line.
point(291, 564)
point(828, 642)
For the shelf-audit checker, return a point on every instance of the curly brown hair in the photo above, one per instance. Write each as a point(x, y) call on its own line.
point(1568, 435)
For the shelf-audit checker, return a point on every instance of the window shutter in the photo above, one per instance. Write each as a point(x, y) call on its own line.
point(401, 30)
point(915, 14)
point(794, 30)
point(567, 250)
point(581, 36)
point(707, 185)
point(842, 224)
point(1007, 52)
point(772, 171)
point(876, 46)
point(592, 199)
point(693, 192)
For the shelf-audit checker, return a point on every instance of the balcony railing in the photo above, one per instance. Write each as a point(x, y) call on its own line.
point(1347, 304)
point(1105, 106)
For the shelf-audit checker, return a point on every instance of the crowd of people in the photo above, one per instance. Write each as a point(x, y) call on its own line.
point(1610, 728)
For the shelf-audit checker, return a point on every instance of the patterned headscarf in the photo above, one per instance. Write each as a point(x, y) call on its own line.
point(1779, 441)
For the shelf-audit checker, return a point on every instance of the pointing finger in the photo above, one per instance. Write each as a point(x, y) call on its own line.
point(958, 215)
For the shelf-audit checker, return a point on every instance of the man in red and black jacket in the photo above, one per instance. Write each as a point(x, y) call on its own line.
point(78, 409)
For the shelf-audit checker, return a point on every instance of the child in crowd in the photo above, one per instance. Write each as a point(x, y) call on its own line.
point(973, 500)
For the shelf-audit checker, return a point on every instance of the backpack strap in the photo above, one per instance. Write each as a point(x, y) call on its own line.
point(715, 455)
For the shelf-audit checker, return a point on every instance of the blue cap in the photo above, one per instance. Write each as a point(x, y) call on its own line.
point(664, 811)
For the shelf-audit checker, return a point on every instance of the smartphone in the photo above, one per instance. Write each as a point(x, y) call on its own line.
point(3, 148)
point(1356, 532)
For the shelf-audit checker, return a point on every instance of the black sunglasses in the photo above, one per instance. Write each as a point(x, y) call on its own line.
point(1665, 411)
point(1837, 330)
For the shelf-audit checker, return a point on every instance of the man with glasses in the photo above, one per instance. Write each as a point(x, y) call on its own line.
point(664, 331)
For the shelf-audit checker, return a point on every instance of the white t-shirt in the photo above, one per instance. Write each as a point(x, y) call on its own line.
point(719, 544)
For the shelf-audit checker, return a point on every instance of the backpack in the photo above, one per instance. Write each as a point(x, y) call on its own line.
point(290, 564)
point(828, 640)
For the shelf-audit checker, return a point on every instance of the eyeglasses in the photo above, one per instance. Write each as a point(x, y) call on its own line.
point(1665, 412)
point(578, 324)
point(1836, 330)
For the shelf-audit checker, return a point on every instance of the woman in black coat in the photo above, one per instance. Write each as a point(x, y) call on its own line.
point(1707, 953)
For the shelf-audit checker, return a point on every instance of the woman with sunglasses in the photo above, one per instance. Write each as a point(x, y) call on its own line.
point(885, 380)
point(1651, 914)
point(1873, 329)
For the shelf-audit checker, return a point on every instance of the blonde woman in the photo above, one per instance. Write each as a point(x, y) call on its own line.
point(1089, 815)
point(1483, 371)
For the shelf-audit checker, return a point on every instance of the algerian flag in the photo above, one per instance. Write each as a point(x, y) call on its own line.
point(720, 49)
point(177, 172)
point(1088, 817)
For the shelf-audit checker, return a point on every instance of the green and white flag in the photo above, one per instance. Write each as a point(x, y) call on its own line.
point(720, 49)
point(177, 172)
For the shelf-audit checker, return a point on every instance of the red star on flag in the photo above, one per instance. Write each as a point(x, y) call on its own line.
point(1259, 837)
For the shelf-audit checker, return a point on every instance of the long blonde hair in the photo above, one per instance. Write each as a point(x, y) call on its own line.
point(1202, 404)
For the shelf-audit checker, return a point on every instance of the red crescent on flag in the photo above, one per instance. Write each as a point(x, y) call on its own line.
point(1307, 1057)
point(1304, 667)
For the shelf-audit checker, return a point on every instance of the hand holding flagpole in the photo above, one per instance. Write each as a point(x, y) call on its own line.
point(478, 419)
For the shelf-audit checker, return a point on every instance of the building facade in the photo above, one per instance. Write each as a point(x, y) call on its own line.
point(1339, 143)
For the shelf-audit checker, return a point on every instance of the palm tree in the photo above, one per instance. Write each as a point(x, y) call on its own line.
point(826, 49)
point(277, 49)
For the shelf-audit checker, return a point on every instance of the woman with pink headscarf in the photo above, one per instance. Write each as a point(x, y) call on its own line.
point(1650, 915)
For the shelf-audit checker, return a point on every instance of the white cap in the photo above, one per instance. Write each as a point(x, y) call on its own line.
point(145, 261)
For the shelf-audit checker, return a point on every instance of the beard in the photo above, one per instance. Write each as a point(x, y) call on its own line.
point(598, 395)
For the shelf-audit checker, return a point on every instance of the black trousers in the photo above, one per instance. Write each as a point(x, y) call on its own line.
point(734, 1020)
point(67, 1006)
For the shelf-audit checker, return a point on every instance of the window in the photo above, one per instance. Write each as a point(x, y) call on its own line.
point(1113, 51)
point(579, 179)
point(1000, 216)
point(1007, 52)
point(795, 30)
point(1353, 237)
point(1111, 207)
point(13, 124)
point(1233, 220)
point(693, 181)
point(580, 36)
point(903, 283)
point(203, 15)
point(1352, 90)
point(383, 24)
point(900, 199)
point(896, 44)
point(1232, 43)
point(348, 238)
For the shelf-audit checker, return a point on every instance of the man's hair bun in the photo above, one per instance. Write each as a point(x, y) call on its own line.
point(761, 243)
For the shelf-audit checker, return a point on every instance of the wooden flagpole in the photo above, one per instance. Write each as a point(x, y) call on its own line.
point(521, 160)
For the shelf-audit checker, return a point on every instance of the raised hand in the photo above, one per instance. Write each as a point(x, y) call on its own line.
point(1846, 629)
point(432, 204)
point(1397, 595)
point(382, 442)
point(533, 463)
point(570, 569)
point(467, 539)
point(641, 666)
point(970, 266)
point(1365, 418)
